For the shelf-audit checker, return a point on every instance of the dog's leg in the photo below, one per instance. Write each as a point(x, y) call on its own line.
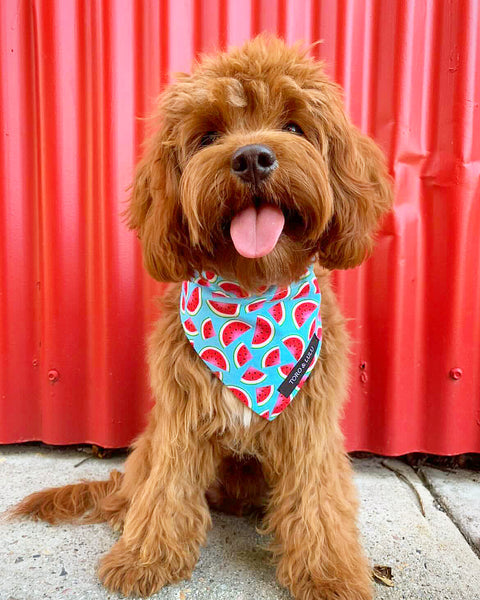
point(168, 518)
point(312, 515)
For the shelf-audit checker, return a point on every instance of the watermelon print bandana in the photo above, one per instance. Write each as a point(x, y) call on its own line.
point(262, 347)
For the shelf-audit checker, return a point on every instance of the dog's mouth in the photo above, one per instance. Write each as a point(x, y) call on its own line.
point(255, 230)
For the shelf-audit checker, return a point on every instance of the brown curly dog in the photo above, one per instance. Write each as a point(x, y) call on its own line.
point(201, 444)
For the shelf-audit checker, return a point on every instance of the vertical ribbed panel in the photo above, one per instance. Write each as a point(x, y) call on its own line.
point(75, 75)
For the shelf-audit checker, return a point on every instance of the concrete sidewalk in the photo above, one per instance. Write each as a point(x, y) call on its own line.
point(429, 555)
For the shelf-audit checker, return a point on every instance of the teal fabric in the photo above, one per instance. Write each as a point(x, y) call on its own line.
point(262, 347)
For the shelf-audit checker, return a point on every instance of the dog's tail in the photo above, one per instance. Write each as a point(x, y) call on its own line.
point(83, 501)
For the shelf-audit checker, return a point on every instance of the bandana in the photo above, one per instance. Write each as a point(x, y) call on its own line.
point(262, 347)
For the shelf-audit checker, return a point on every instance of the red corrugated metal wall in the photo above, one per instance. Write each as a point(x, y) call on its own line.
point(75, 302)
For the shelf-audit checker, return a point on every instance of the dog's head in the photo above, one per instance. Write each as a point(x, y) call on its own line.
point(255, 171)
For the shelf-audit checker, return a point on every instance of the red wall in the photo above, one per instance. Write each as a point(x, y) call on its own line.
point(75, 304)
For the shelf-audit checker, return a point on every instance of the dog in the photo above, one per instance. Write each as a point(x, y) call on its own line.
point(253, 174)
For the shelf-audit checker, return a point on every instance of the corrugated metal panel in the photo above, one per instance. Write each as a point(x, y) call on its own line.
point(75, 302)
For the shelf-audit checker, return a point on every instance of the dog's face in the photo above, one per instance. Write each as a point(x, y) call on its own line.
point(255, 171)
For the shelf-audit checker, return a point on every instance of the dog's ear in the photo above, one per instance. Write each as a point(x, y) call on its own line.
point(361, 189)
point(155, 211)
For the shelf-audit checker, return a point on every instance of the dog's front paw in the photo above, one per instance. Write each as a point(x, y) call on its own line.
point(121, 570)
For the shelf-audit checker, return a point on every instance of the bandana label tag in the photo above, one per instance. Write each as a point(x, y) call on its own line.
point(298, 371)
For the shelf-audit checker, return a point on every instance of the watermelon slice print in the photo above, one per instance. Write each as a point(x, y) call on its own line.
point(215, 357)
point(241, 395)
point(190, 327)
point(264, 394)
point(183, 300)
point(241, 355)
point(271, 358)
point(278, 312)
point(303, 291)
point(233, 288)
point(207, 329)
point(281, 405)
point(231, 331)
point(195, 301)
point(264, 331)
point(284, 370)
point(253, 306)
point(202, 281)
point(281, 293)
point(302, 311)
point(253, 376)
point(295, 345)
point(224, 309)
point(210, 275)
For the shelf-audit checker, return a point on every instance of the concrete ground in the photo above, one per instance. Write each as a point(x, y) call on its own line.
point(429, 555)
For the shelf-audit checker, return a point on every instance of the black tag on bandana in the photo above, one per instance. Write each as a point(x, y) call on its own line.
point(298, 371)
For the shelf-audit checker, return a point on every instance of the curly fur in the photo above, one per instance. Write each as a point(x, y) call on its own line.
point(201, 443)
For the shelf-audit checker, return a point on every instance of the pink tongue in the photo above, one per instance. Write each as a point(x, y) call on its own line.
point(255, 232)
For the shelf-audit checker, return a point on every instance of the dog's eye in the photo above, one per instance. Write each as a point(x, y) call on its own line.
point(208, 138)
point(293, 128)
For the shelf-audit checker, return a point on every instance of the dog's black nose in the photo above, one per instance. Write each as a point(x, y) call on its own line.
point(254, 163)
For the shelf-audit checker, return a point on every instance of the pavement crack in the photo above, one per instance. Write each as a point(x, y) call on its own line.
point(440, 504)
point(406, 480)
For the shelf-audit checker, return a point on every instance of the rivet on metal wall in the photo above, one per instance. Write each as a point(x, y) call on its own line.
point(363, 375)
point(456, 373)
point(53, 375)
